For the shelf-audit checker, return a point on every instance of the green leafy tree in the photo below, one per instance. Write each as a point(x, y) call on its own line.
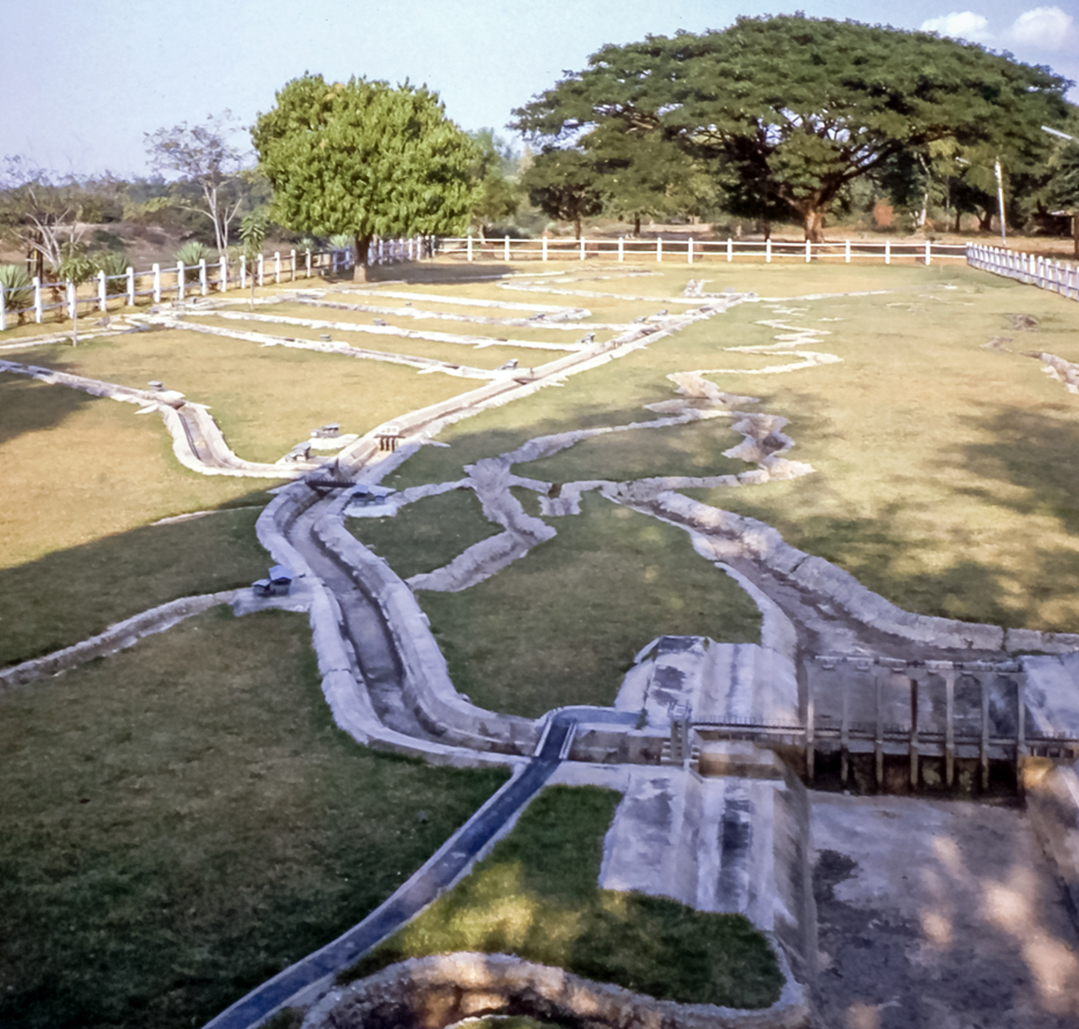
point(563, 184)
point(364, 158)
point(646, 174)
point(1063, 189)
point(497, 196)
point(791, 110)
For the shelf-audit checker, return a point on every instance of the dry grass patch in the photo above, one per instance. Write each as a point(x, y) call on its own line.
point(78, 468)
point(266, 399)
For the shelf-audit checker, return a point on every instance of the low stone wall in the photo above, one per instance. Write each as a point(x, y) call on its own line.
point(752, 539)
point(1052, 796)
point(433, 992)
point(428, 686)
point(115, 638)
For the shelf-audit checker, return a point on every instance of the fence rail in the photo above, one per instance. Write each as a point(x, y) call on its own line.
point(1058, 276)
point(690, 250)
point(180, 281)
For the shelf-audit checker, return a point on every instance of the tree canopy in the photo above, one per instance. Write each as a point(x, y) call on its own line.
point(366, 159)
point(562, 184)
point(789, 111)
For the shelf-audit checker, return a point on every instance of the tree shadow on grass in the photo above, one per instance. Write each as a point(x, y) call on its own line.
point(72, 594)
point(29, 406)
point(1035, 450)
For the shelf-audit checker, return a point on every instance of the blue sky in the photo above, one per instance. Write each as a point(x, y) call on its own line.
point(84, 80)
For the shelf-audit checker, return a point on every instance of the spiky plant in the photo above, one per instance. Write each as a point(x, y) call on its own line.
point(191, 253)
point(114, 265)
point(18, 289)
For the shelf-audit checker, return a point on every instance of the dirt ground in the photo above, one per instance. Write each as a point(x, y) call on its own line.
point(938, 914)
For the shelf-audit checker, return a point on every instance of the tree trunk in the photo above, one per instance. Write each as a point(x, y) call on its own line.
point(1075, 232)
point(359, 266)
point(958, 220)
point(577, 227)
point(813, 222)
point(637, 225)
point(985, 220)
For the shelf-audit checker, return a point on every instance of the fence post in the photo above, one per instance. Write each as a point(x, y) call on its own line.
point(277, 266)
point(621, 248)
point(102, 292)
point(545, 246)
point(730, 249)
point(3, 309)
point(39, 312)
point(157, 283)
point(846, 251)
point(179, 280)
point(204, 286)
point(506, 249)
point(243, 271)
point(768, 250)
point(292, 264)
point(582, 246)
point(470, 246)
point(689, 250)
point(659, 248)
point(887, 251)
point(130, 286)
point(261, 270)
point(307, 263)
point(223, 278)
point(71, 300)
point(928, 253)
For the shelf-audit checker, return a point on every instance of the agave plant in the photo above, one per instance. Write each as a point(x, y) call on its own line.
point(18, 289)
point(342, 241)
point(191, 253)
point(114, 265)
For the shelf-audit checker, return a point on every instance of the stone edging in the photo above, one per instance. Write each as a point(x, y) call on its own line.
point(445, 988)
point(115, 638)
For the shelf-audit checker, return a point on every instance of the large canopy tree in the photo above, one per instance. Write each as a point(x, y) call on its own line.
point(791, 110)
point(366, 159)
point(562, 184)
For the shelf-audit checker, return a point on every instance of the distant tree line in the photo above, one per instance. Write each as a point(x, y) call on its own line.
point(773, 120)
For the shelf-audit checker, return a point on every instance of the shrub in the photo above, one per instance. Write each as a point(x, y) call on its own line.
point(114, 265)
point(191, 253)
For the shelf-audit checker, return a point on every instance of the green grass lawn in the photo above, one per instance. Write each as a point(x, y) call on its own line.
point(562, 625)
point(426, 534)
point(183, 820)
point(536, 896)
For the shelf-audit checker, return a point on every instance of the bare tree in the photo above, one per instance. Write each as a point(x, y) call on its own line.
point(40, 211)
point(204, 154)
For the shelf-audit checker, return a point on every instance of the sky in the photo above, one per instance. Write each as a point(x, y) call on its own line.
point(84, 80)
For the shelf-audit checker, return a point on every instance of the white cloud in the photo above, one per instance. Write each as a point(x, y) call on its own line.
point(961, 25)
point(1047, 28)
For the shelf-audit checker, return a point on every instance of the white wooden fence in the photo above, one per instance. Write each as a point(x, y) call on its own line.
point(179, 281)
point(1031, 268)
point(690, 250)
